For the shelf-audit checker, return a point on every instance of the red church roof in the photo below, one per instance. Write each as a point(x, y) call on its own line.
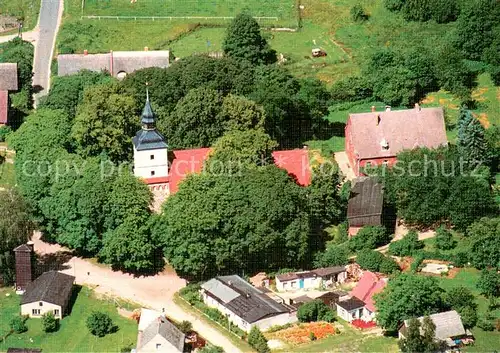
point(368, 285)
point(296, 163)
point(186, 162)
point(385, 134)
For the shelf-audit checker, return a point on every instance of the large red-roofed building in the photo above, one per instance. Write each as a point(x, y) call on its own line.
point(376, 138)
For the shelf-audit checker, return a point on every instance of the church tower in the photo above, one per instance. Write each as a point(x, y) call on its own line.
point(150, 148)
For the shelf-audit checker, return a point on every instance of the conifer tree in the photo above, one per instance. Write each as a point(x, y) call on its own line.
point(471, 143)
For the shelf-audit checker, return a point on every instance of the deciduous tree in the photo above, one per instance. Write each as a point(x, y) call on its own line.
point(489, 283)
point(484, 249)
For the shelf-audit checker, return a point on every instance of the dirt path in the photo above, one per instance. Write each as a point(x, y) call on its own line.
point(154, 291)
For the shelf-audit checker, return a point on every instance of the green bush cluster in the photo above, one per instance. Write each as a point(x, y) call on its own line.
point(18, 324)
point(375, 261)
point(4, 132)
point(99, 324)
point(50, 323)
point(257, 340)
point(315, 310)
point(406, 246)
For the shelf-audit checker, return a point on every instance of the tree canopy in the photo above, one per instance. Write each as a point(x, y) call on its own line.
point(485, 243)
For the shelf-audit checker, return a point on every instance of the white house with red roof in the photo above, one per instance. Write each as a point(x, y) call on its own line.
point(164, 171)
point(360, 306)
point(376, 138)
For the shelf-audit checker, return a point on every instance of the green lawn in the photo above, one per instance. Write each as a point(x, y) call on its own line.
point(284, 10)
point(73, 335)
point(7, 175)
point(29, 9)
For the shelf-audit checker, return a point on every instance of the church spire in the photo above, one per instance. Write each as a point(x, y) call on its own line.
point(147, 116)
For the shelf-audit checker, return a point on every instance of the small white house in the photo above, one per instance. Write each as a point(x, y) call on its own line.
point(49, 293)
point(244, 305)
point(311, 279)
point(157, 334)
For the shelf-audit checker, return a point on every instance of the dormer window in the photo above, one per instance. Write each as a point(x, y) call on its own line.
point(152, 173)
point(384, 144)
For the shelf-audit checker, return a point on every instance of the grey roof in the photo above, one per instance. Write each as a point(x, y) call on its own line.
point(51, 287)
point(319, 272)
point(148, 140)
point(351, 303)
point(166, 329)
point(114, 62)
point(448, 324)
point(250, 304)
point(8, 77)
point(147, 116)
point(365, 204)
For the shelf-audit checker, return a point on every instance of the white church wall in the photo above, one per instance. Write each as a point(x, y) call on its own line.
point(151, 163)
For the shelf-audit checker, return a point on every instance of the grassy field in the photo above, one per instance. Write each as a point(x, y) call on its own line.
point(29, 9)
point(73, 335)
point(283, 10)
point(7, 175)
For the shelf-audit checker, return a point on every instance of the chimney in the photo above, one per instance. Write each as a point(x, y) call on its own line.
point(85, 52)
point(146, 48)
point(373, 109)
point(417, 107)
point(387, 108)
point(24, 256)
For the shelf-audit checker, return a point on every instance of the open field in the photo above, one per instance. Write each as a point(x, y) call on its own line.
point(283, 10)
point(7, 175)
point(73, 335)
point(27, 9)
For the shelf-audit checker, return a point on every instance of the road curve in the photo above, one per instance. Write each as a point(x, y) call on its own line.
point(48, 24)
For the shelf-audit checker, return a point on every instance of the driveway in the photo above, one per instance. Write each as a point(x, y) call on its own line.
point(155, 292)
point(48, 24)
point(345, 167)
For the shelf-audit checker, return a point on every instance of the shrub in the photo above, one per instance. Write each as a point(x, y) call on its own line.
point(468, 315)
point(417, 261)
point(485, 325)
point(4, 132)
point(257, 340)
point(406, 246)
point(312, 336)
point(369, 238)
point(50, 323)
point(185, 326)
point(18, 324)
point(99, 324)
point(328, 316)
point(394, 5)
point(358, 14)
point(375, 261)
point(444, 239)
point(315, 310)
point(460, 259)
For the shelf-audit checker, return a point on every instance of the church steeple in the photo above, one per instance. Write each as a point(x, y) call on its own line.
point(147, 116)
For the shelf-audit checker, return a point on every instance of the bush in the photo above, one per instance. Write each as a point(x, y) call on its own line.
point(257, 340)
point(417, 261)
point(406, 246)
point(334, 255)
point(191, 293)
point(312, 336)
point(18, 324)
point(358, 14)
point(185, 326)
point(485, 325)
point(50, 323)
point(460, 259)
point(375, 261)
point(276, 328)
point(4, 132)
point(444, 239)
point(99, 324)
point(369, 237)
point(315, 310)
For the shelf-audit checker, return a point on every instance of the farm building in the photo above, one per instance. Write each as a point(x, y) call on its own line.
point(311, 279)
point(449, 328)
point(118, 63)
point(245, 305)
point(375, 138)
point(25, 258)
point(360, 305)
point(49, 293)
point(163, 170)
point(366, 204)
point(8, 82)
point(157, 334)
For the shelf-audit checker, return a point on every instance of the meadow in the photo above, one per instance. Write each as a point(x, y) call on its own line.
point(27, 9)
point(73, 335)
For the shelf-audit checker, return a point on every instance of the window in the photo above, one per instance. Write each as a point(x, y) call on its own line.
point(35, 312)
point(152, 157)
point(40, 304)
point(56, 312)
point(292, 284)
point(158, 346)
point(152, 173)
point(386, 162)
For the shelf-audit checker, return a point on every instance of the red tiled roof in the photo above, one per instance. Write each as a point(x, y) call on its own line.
point(296, 163)
point(368, 285)
point(400, 129)
point(4, 107)
point(186, 162)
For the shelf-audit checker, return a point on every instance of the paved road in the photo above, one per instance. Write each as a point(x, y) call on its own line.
point(48, 24)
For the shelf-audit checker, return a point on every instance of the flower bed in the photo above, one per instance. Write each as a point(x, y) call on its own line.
point(302, 332)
